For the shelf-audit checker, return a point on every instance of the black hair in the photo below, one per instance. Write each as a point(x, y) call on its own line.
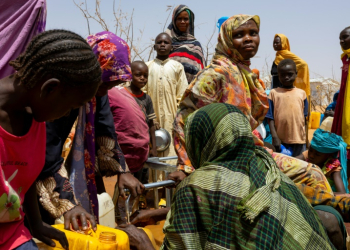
point(285, 62)
point(347, 28)
point(61, 54)
point(163, 33)
point(138, 63)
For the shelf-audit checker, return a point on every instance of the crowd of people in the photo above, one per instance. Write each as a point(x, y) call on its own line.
point(234, 190)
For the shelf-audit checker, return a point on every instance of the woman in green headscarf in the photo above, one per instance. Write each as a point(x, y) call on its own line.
point(237, 198)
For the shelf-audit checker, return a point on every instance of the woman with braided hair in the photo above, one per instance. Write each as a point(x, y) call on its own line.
point(58, 72)
point(95, 151)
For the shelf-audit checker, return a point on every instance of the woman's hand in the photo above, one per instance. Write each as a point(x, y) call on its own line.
point(78, 214)
point(276, 142)
point(137, 237)
point(177, 176)
point(149, 217)
point(128, 181)
point(45, 233)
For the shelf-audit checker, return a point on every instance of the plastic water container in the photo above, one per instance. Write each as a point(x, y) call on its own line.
point(286, 151)
point(106, 210)
point(315, 120)
point(327, 124)
point(221, 21)
point(99, 240)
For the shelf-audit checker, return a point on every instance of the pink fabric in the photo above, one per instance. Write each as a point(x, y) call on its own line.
point(20, 21)
point(131, 127)
point(22, 159)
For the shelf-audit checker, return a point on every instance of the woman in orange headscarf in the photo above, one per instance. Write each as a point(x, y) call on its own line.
point(282, 48)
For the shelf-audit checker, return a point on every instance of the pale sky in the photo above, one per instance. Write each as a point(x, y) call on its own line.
point(312, 26)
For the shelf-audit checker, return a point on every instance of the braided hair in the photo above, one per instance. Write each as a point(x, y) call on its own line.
point(61, 54)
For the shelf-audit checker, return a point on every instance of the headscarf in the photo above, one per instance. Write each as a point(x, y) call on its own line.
point(303, 80)
point(113, 53)
point(325, 142)
point(341, 122)
point(332, 105)
point(256, 71)
point(186, 49)
point(236, 191)
point(228, 79)
point(20, 21)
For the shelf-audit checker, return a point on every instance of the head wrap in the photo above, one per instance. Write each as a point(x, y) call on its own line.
point(325, 142)
point(333, 104)
point(303, 80)
point(186, 49)
point(113, 53)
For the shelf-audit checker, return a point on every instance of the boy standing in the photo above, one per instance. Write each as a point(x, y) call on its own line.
point(288, 110)
point(166, 84)
point(139, 80)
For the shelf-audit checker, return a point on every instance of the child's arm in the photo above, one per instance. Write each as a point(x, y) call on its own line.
point(300, 157)
point(339, 185)
point(276, 142)
point(152, 128)
point(39, 229)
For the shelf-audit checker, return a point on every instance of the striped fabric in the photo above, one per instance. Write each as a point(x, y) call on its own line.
point(187, 50)
point(237, 198)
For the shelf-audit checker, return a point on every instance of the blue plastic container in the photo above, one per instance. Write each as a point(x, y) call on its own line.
point(221, 21)
point(286, 151)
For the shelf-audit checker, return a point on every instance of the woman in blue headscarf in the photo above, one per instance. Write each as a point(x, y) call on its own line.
point(325, 151)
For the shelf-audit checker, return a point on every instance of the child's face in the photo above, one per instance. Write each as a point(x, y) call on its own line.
point(318, 158)
point(139, 76)
point(182, 21)
point(246, 39)
point(287, 75)
point(345, 39)
point(163, 45)
point(54, 99)
point(277, 44)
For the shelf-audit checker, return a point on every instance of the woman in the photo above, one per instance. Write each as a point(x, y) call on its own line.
point(186, 49)
point(237, 198)
point(95, 151)
point(341, 122)
point(227, 79)
point(282, 48)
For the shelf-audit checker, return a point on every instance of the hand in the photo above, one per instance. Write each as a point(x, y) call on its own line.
point(143, 216)
point(156, 124)
point(128, 181)
point(329, 113)
point(177, 176)
point(78, 214)
point(137, 237)
point(45, 233)
point(153, 152)
point(276, 142)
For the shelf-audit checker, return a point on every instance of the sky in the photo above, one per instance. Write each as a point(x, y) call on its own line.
point(312, 26)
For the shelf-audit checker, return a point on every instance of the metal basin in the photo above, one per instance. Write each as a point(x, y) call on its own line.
point(163, 139)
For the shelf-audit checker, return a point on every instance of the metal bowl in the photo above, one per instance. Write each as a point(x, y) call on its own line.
point(163, 139)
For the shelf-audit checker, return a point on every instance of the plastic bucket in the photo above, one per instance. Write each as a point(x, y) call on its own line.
point(221, 21)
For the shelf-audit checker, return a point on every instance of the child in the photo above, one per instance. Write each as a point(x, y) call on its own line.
point(166, 84)
point(139, 80)
point(323, 152)
point(288, 110)
point(57, 72)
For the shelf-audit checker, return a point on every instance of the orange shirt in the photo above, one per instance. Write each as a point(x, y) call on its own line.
point(288, 108)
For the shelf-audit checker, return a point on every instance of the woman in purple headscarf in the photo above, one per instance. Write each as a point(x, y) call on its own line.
point(95, 151)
